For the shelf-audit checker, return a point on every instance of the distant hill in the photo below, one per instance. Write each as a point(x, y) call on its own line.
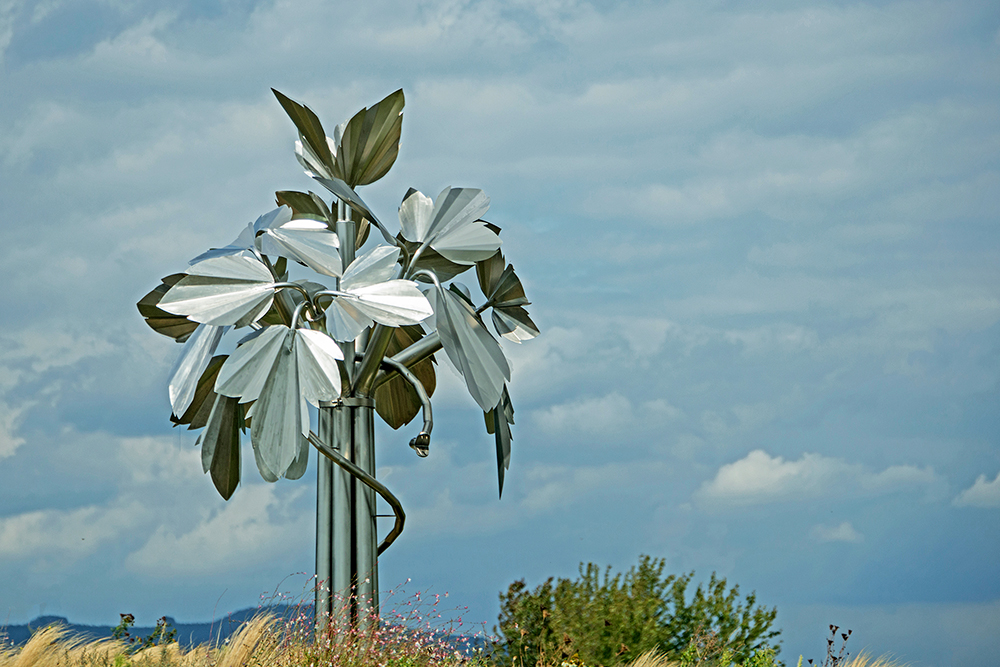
point(188, 634)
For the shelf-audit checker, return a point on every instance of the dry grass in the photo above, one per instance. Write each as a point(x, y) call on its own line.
point(265, 642)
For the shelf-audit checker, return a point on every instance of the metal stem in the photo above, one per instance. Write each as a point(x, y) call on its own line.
point(410, 357)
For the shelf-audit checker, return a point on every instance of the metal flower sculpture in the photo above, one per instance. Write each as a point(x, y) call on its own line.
point(355, 338)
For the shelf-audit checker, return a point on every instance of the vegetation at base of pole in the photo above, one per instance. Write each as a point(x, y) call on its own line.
point(604, 621)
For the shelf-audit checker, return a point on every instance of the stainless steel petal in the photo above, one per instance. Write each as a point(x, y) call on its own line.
point(393, 303)
point(514, 324)
point(277, 419)
point(319, 375)
point(301, 462)
point(456, 207)
point(345, 322)
point(375, 266)
point(247, 368)
point(197, 352)
point(415, 216)
point(309, 242)
point(243, 242)
point(467, 244)
point(472, 349)
point(265, 472)
point(230, 290)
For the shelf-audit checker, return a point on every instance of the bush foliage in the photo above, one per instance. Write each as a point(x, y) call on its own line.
point(614, 619)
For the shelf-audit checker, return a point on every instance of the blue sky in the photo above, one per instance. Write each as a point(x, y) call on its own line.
point(760, 239)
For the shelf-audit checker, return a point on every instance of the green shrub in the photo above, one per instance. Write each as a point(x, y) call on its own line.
point(615, 620)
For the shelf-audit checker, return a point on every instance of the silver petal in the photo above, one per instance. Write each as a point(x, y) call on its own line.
point(467, 244)
point(197, 352)
point(456, 207)
point(375, 266)
point(472, 349)
point(393, 303)
point(319, 375)
point(309, 242)
point(415, 216)
point(344, 321)
point(511, 327)
point(277, 420)
point(245, 372)
point(229, 290)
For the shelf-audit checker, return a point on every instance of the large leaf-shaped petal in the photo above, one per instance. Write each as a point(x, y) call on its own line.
point(177, 327)
point(513, 323)
point(197, 414)
point(304, 204)
point(396, 401)
point(415, 215)
point(471, 348)
point(468, 243)
point(230, 290)
point(393, 303)
point(376, 266)
point(278, 413)
point(220, 445)
point(309, 128)
point(498, 421)
point(197, 352)
point(301, 462)
point(370, 141)
point(431, 260)
point(309, 242)
point(345, 322)
point(319, 375)
point(246, 371)
point(455, 208)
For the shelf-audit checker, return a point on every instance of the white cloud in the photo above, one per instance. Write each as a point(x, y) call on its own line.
point(760, 478)
point(844, 532)
point(66, 534)
point(255, 527)
point(610, 414)
point(980, 494)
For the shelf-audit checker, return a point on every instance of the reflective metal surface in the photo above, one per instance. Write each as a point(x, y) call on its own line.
point(358, 337)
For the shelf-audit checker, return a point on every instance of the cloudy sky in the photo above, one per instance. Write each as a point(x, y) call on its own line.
point(760, 240)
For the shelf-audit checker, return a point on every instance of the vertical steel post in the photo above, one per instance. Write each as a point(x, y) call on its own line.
point(364, 513)
point(335, 539)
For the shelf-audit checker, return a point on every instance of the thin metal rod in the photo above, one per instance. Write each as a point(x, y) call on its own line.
point(410, 357)
point(368, 480)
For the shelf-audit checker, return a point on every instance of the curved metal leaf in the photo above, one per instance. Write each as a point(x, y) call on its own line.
point(471, 348)
point(513, 323)
point(309, 128)
point(177, 327)
point(498, 422)
point(318, 373)
point(197, 414)
point(230, 290)
point(247, 369)
point(309, 242)
point(345, 322)
point(392, 303)
point(301, 462)
point(345, 193)
point(220, 445)
point(431, 260)
point(370, 141)
point(375, 266)
point(197, 352)
point(303, 205)
point(396, 402)
point(278, 413)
